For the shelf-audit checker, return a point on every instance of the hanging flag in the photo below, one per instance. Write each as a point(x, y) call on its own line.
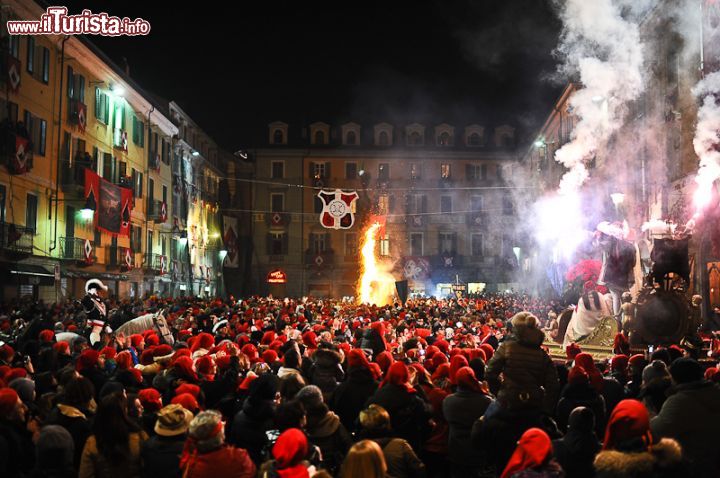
point(13, 72)
point(113, 204)
point(337, 212)
point(21, 160)
point(88, 249)
point(163, 212)
point(82, 116)
point(128, 258)
point(163, 264)
point(230, 240)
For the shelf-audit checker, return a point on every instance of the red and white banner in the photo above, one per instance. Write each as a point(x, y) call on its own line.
point(113, 204)
point(13, 72)
point(230, 240)
point(128, 258)
point(338, 211)
point(88, 250)
point(81, 116)
point(21, 160)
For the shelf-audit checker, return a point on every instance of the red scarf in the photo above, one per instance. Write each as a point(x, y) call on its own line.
point(629, 420)
point(398, 374)
point(533, 450)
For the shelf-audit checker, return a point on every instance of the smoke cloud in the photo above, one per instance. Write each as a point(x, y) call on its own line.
point(706, 137)
point(603, 50)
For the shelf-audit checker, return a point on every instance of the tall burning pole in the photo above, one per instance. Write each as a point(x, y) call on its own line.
point(376, 285)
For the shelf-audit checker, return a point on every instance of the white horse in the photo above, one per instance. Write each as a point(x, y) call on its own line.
point(145, 322)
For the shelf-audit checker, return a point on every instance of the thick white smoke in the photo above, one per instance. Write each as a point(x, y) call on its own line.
point(604, 50)
point(706, 137)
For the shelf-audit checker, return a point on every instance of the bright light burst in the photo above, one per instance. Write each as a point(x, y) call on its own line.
point(560, 225)
point(376, 285)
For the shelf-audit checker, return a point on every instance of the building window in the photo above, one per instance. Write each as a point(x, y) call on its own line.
point(14, 46)
point(476, 245)
point(476, 203)
point(417, 204)
point(351, 244)
point(507, 204)
point(278, 137)
point(45, 65)
point(30, 63)
point(31, 212)
point(350, 170)
point(136, 238)
point(445, 171)
point(383, 139)
point(414, 139)
point(276, 243)
point(416, 244)
point(383, 171)
point(137, 180)
point(319, 137)
point(446, 243)
point(37, 131)
point(351, 138)
point(102, 106)
point(319, 170)
point(474, 140)
point(277, 169)
point(444, 139)
point(477, 171)
point(446, 204)
point(138, 132)
point(3, 194)
point(385, 246)
point(415, 171)
point(318, 244)
point(383, 204)
point(277, 202)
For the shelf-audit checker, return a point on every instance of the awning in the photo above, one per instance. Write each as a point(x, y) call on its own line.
point(27, 274)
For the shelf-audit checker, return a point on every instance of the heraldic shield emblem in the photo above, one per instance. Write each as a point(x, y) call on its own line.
point(337, 212)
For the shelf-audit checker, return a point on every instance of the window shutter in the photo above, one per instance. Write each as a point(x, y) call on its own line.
point(268, 244)
point(97, 102)
point(285, 243)
point(70, 82)
point(468, 171)
point(311, 170)
point(134, 130)
point(123, 168)
point(327, 170)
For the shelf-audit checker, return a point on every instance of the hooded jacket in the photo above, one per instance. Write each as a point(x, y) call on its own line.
point(530, 378)
point(692, 417)
point(350, 396)
point(326, 371)
point(663, 460)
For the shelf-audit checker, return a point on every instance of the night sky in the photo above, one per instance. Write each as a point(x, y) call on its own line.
point(483, 61)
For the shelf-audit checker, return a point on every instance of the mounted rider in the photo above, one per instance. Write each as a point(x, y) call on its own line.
point(96, 311)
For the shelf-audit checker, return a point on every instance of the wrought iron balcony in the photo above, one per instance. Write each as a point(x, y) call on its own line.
point(77, 249)
point(16, 239)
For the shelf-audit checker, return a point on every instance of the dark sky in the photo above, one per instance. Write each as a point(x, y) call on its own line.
point(236, 70)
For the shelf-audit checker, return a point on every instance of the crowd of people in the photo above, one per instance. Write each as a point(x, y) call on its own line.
point(273, 387)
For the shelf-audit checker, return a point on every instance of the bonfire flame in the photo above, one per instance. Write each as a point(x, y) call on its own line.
point(377, 285)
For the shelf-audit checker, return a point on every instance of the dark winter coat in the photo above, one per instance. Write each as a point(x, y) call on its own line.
point(371, 340)
point(76, 423)
point(575, 452)
point(161, 456)
point(250, 425)
point(350, 396)
point(581, 395)
point(325, 431)
point(663, 460)
point(461, 410)
point(223, 386)
point(498, 434)
point(326, 371)
point(409, 414)
point(401, 460)
point(613, 392)
point(527, 369)
point(16, 449)
point(692, 417)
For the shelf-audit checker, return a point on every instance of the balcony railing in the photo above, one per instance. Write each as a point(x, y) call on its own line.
point(319, 259)
point(476, 219)
point(120, 258)
point(157, 263)
point(77, 249)
point(277, 219)
point(73, 176)
point(16, 148)
point(16, 239)
point(157, 210)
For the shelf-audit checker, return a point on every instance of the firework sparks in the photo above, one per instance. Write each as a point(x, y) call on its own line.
point(376, 285)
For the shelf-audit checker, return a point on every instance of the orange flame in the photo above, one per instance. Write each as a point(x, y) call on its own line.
point(376, 285)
